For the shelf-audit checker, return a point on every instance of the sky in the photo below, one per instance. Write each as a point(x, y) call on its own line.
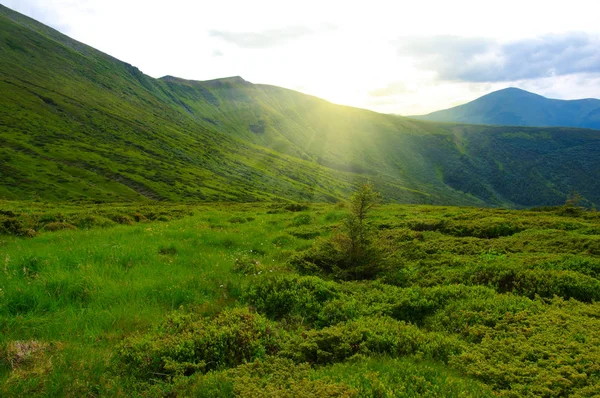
point(399, 57)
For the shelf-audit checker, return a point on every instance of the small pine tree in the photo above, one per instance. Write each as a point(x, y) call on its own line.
point(571, 206)
point(351, 254)
point(573, 199)
point(355, 224)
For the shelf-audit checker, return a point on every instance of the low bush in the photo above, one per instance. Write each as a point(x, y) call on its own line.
point(368, 336)
point(295, 207)
point(90, 221)
point(272, 377)
point(247, 266)
point(280, 296)
point(301, 219)
point(331, 258)
point(187, 343)
point(304, 232)
point(550, 353)
point(532, 282)
point(57, 226)
point(381, 376)
point(473, 316)
point(14, 226)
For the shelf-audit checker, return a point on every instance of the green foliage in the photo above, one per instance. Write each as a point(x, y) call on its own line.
point(538, 282)
point(280, 296)
point(29, 219)
point(356, 227)
point(247, 266)
point(57, 226)
point(549, 353)
point(273, 377)
point(348, 255)
point(295, 207)
point(185, 344)
point(302, 219)
point(368, 336)
point(403, 377)
point(200, 306)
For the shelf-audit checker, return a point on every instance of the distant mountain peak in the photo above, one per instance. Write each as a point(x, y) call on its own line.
point(513, 91)
point(513, 106)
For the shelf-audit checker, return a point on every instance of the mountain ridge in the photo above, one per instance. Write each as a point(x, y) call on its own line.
point(514, 106)
point(85, 126)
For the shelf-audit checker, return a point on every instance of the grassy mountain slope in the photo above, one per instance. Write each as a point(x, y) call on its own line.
point(516, 107)
point(78, 124)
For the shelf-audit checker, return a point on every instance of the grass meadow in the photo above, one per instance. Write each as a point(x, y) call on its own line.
point(209, 300)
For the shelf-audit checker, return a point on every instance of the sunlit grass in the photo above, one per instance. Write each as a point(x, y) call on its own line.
point(84, 291)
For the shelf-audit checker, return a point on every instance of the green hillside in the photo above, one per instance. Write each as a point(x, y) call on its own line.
point(78, 124)
point(516, 107)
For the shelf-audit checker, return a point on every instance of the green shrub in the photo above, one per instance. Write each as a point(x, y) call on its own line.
point(368, 336)
point(474, 315)
point(334, 216)
point(414, 305)
point(585, 265)
point(295, 207)
point(427, 225)
point(331, 258)
point(301, 219)
point(14, 226)
point(57, 226)
point(550, 353)
point(279, 296)
point(303, 232)
point(246, 266)
point(486, 228)
point(382, 376)
point(272, 377)
point(186, 344)
point(323, 258)
point(349, 255)
point(532, 282)
point(90, 221)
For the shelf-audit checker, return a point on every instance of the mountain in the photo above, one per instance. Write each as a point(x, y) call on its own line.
point(78, 124)
point(515, 107)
